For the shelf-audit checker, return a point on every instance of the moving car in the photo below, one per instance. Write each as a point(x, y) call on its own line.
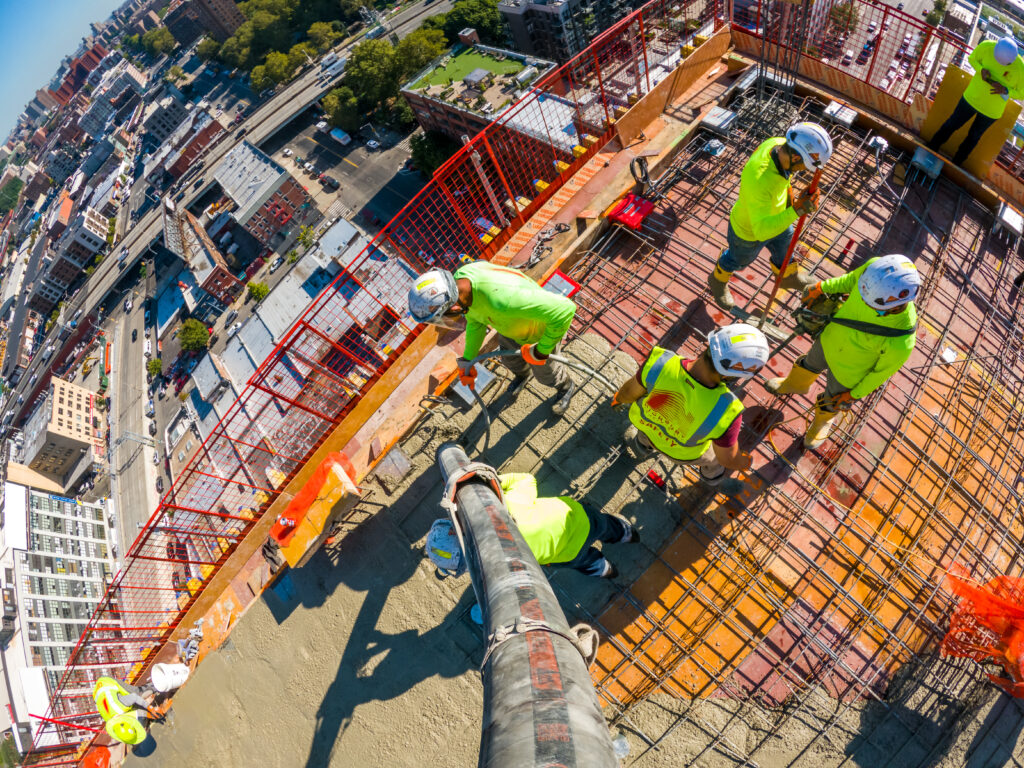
point(127, 305)
point(277, 264)
point(373, 144)
point(135, 333)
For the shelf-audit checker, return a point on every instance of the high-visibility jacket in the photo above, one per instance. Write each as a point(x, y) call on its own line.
point(979, 93)
point(514, 305)
point(122, 721)
point(762, 210)
point(555, 528)
point(679, 415)
point(861, 361)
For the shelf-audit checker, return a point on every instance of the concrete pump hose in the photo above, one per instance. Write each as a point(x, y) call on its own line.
point(557, 358)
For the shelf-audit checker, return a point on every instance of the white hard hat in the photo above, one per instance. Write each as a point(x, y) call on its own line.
point(432, 295)
point(811, 142)
point(1005, 51)
point(443, 547)
point(889, 281)
point(738, 351)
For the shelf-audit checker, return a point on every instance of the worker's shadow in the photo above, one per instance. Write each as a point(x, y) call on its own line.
point(374, 664)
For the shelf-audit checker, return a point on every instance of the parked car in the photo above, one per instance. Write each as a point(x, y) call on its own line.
point(872, 27)
point(147, 317)
point(156, 457)
point(127, 305)
point(230, 317)
point(135, 333)
point(234, 329)
point(277, 264)
point(152, 428)
point(150, 409)
point(287, 152)
point(148, 349)
point(333, 182)
point(159, 480)
point(847, 59)
point(863, 56)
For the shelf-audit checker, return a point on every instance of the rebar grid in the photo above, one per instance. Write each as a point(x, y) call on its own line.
point(626, 264)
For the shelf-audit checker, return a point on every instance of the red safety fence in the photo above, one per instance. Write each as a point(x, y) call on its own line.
point(358, 326)
point(349, 336)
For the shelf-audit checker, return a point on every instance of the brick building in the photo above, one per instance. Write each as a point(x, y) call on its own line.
point(78, 71)
point(216, 286)
point(268, 200)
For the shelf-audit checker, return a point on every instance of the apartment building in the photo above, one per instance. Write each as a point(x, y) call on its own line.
point(558, 29)
point(72, 253)
point(57, 558)
point(215, 285)
point(65, 434)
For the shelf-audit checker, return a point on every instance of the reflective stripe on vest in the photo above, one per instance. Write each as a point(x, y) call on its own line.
point(105, 695)
point(702, 432)
point(674, 400)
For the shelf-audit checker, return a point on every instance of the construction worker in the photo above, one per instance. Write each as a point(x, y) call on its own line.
point(527, 318)
point(869, 338)
point(765, 211)
point(124, 708)
point(558, 530)
point(998, 77)
point(683, 407)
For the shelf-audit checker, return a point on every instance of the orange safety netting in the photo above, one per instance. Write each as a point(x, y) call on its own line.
point(988, 625)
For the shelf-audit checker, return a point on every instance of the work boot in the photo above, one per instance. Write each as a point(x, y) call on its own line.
point(795, 279)
point(609, 572)
point(518, 385)
point(820, 428)
point(718, 283)
point(631, 535)
point(561, 405)
point(797, 382)
point(637, 449)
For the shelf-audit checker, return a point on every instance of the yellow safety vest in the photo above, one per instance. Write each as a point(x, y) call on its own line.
point(122, 722)
point(679, 415)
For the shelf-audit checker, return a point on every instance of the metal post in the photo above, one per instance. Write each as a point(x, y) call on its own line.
point(540, 708)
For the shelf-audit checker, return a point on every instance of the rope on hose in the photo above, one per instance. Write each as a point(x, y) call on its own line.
point(583, 637)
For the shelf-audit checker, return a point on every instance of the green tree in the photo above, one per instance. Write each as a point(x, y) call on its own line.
point(371, 72)
point(9, 193)
point(258, 291)
point(301, 54)
point(482, 15)
point(418, 49)
point(259, 78)
point(293, 256)
point(322, 35)
point(131, 42)
point(208, 49)
point(193, 336)
point(278, 67)
point(155, 366)
point(305, 237)
point(158, 41)
point(431, 149)
point(342, 108)
point(174, 74)
point(844, 16)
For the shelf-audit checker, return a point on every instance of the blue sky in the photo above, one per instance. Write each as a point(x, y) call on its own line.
point(34, 36)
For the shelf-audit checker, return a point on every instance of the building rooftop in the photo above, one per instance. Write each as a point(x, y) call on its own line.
point(480, 79)
point(248, 176)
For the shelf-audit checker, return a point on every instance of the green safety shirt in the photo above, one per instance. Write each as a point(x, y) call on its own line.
point(513, 305)
point(679, 415)
point(554, 528)
point(762, 209)
point(979, 93)
point(861, 361)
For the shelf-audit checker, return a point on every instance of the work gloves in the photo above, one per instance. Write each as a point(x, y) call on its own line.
point(617, 405)
point(532, 355)
point(812, 294)
point(807, 203)
point(841, 402)
point(467, 373)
